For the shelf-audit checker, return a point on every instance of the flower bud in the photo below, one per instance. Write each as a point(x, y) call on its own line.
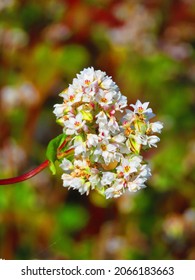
point(133, 145)
point(110, 166)
point(140, 126)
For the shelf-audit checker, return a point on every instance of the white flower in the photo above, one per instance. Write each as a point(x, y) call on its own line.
point(87, 75)
point(72, 125)
point(145, 171)
point(141, 139)
point(107, 178)
point(119, 138)
point(117, 156)
point(84, 188)
point(76, 183)
point(71, 96)
point(104, 98)
point(142, 108)
point(123, 149)
point(81, 164)
point(129, 116)
point(102, 119)
point(89, 90)
point(92, 140)
point(79, 146)
point(108, 127)
point(107, 82)
point(147, 140)
point(120, 102)
point(127, 166)
point(113, 125)
point(94, 179)
point(106, 150)
point(136, 184)
point(66, 164)
point(59, 110)
point(67, 180)
point(156, 127)
point(152, 140)
point(104, 132)
point(116, 190)
point(136, 159)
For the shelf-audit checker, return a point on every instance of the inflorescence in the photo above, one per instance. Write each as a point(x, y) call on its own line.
point(106, 138)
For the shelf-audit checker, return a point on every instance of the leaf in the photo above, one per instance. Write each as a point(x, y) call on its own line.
point(51, 152)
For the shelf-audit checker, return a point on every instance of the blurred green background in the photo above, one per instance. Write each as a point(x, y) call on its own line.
point(148, 47)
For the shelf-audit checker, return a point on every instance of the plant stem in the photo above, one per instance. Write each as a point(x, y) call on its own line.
point(25, 176)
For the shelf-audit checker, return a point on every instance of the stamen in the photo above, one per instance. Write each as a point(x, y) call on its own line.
point(72, 97)
point(126, 168)
point(103, 147)
point(87, 82)
point(140, 109)
point(77, 123)
point(104, 100)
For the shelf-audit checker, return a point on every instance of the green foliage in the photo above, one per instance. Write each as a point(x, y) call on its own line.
point(51, 152)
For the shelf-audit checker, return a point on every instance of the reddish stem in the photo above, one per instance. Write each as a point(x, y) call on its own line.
point(63, 144)
point(25, 176)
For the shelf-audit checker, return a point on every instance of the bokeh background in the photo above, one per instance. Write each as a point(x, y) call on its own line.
point(148, 47)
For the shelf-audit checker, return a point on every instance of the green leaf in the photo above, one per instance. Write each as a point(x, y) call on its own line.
point(51, 152)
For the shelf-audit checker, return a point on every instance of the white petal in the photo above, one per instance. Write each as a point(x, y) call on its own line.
point(107, 178)
point(145, 105)
point(59, 110)
point(152, 140)
point(67, 179)
point(156, 127)
point(66, 164)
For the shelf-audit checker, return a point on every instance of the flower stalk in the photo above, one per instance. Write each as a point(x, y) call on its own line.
point(38, 169)
point(25, 176)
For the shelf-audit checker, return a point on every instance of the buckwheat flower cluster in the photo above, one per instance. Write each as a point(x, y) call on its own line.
point(106, 138)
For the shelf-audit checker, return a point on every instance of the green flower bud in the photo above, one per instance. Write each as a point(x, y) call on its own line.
point(140, 126)
point(87, 115)
point(133, 145)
